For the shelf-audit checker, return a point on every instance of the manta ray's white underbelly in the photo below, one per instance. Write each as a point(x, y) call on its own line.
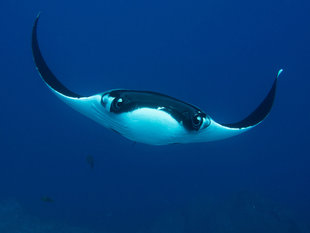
point(150, 126)
point(145, 125)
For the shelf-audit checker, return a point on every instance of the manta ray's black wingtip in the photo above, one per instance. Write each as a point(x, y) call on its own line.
point(38, 15)
point(46, 74)
point(261, 112)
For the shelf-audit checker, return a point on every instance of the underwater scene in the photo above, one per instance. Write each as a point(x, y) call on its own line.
point(155, 116)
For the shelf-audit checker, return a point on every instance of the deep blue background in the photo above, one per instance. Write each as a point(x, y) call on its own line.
point(219, 55)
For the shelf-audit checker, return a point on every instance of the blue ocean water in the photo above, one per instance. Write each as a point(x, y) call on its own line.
point(219, 55)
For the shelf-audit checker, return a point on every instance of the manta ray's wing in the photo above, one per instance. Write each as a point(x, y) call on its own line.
point(46, 74)
point(216, 131)
point(87, 105)
point(261, 112)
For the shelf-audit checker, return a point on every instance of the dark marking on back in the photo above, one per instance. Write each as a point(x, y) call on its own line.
point(179, 110)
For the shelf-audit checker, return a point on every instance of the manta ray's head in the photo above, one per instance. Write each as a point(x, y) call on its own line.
point(152, 117)
point(128, 101)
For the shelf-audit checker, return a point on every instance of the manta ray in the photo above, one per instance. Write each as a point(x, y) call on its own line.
point(149, 117)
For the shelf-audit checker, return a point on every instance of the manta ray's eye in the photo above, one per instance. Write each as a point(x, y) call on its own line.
point(197, 121)
point(117, 104)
